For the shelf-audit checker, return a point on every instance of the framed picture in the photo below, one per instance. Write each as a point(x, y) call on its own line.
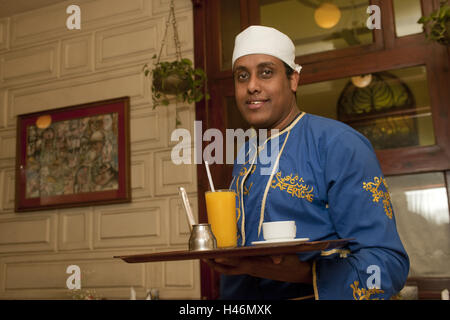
point(73, 156)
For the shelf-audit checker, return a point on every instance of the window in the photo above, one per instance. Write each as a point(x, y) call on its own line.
point(317, 26)
point(420, 204)
point(407, 12)
point(391, 108)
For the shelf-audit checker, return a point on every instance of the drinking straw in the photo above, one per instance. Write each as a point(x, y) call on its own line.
point(187, 207)
point(209, 177)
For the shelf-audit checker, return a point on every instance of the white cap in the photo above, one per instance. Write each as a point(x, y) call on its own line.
point(265, 40)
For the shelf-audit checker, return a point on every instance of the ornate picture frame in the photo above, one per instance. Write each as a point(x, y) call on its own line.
point(73, 156)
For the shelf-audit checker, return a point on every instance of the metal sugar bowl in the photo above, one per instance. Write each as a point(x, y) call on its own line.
point(202, 238)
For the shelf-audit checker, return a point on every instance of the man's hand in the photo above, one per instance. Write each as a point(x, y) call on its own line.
point(287, 268)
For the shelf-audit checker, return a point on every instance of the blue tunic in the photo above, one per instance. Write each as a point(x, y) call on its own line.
point(324, 175)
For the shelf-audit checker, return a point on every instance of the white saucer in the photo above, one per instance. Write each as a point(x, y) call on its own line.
point(280, 241)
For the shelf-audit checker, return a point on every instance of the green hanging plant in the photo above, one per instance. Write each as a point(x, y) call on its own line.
point(439, 24)
point(177, 79)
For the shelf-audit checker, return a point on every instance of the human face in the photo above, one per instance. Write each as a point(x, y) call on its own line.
point(264, 95)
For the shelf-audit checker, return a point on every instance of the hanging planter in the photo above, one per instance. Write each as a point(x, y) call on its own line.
point(176, 80)
point(171, 81)
point(439, 24)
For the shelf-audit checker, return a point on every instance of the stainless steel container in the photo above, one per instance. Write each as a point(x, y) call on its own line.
point(202, 238)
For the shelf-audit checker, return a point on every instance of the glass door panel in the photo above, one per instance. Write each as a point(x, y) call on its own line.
point(420, 204)
point(392, 109)
point(406, 13)
point(317, 26)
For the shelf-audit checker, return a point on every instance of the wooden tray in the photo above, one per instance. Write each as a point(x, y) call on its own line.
point(261, 250)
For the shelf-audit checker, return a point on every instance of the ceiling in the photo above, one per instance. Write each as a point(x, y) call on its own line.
point(12, 7)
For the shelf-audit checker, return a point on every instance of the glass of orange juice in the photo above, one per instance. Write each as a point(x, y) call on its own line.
point(221, 210)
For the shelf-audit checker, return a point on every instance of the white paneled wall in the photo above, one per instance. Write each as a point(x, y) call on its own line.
point(43, 65)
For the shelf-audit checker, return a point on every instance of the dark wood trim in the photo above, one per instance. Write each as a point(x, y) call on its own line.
point(254, 13)
point(412, 160)
point(386, 53)
point(447, 184)
point(388, 23)
point(244, 14)
point(213, 36)
point(429, 288)
point(438, 66)
point(376, 114)
point(364, 63)
point(209, 283)
point(208, 279)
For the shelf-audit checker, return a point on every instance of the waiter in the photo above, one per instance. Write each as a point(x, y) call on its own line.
point(326, 177)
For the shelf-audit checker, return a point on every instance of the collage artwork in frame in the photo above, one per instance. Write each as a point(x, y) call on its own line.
point(73, 156)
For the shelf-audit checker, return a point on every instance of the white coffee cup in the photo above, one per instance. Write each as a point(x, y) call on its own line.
point(278, 230)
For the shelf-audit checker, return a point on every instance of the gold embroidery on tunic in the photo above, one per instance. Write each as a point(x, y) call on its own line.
point(243, 172)
point(363, 293)
point(342, 252)
point(247, 190)
point(378, 194)
point(293, 186)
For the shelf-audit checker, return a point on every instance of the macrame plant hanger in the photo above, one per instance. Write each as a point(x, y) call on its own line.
point(171, 19)
point(175, 33)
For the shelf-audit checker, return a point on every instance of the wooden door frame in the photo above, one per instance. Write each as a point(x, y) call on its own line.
point(387, 52)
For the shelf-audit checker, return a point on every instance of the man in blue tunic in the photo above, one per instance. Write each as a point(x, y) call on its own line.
point(325, 176)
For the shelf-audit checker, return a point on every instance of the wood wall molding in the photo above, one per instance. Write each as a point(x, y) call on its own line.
point(7, 144)
point(33, 64)
point(28, 234)
point(50, 22)
point(75, 229)
point(143, 223)
point(8, 189)
point(4, 34)
point(98, 86)
point(45, 276)
point(76, 55)
point(43, 66)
